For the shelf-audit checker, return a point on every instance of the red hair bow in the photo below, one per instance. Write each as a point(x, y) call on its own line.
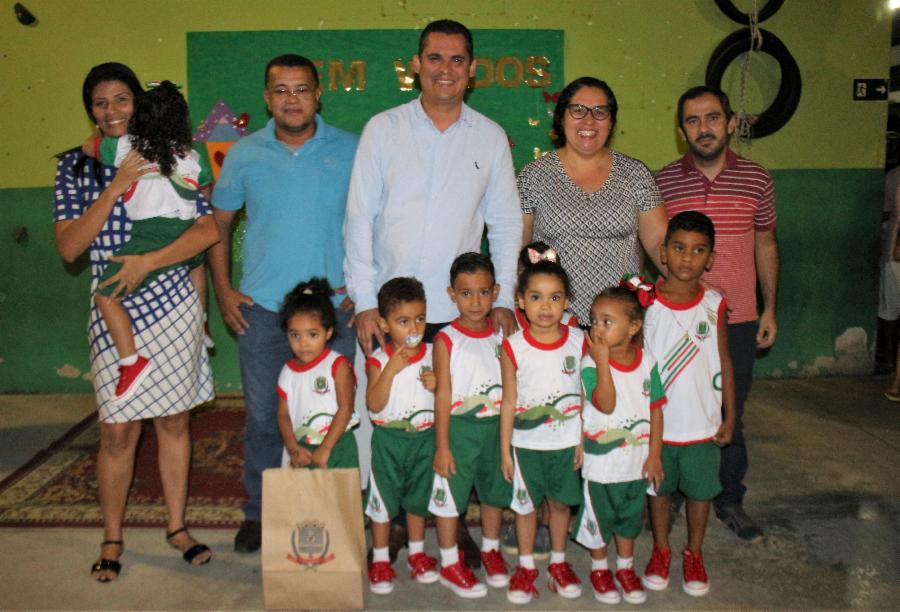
point(646, 293)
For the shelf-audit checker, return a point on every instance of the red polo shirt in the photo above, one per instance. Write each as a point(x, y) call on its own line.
point(740, 201)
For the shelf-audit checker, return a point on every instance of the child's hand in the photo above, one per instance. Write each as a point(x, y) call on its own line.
point(400, 359)
point(300, 457)
point(653, 472)
point(320, 457)
point(429, 380)
point(87, 147)
point(444, 465)
point(579, 457)
point(723, 436)
point(506, 466)
point(598, 348)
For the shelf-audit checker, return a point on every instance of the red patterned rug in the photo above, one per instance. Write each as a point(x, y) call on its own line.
point(58, 486)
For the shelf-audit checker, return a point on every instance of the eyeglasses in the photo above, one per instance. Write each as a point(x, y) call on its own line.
point(580, 111)
point(301, 91)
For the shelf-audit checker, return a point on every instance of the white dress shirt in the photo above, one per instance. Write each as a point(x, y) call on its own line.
point(419, 197)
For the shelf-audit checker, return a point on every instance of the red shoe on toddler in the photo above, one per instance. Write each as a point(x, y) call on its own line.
point(131, 377)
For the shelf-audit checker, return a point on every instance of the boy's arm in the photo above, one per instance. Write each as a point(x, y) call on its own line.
point(602, 390)
point(444, 465)
point(378, 389)
point(723, 436)
point(507, 411)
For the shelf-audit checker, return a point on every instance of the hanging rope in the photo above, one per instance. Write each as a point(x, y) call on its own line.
point(746, 120)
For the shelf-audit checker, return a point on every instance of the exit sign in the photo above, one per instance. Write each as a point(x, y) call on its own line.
point(870, 89)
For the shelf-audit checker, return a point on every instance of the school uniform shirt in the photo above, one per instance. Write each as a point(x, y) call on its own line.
point(309, 392)
point(548, 389)
point(476, 389)
point(616, 445)
point(685, 338)
point(410, 406)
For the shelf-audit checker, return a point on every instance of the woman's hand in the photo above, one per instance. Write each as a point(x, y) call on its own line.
point(134, 270)
point(132, 168)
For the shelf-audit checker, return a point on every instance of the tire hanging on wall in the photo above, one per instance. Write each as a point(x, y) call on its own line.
point(785, 103)
point(735, 14)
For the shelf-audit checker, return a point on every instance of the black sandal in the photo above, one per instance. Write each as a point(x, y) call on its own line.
point(108, 565)
point(191, 553)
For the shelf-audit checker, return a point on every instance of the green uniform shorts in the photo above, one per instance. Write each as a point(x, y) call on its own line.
point(544, 474)
point(401, 474)
point(692, 469)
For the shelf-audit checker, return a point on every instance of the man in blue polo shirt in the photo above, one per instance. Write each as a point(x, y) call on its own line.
point(292, 176)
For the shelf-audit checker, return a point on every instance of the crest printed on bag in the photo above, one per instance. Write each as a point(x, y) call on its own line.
point(310, 541)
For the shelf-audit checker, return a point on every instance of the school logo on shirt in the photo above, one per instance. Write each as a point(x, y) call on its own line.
point(645, 391)
point(497, 350)
point(569, 364)
point(702, 331)
point(310, 541)
point(424, 370)
point(320, 385)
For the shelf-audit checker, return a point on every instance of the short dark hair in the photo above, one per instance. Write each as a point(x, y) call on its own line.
point(565, 98)
point(692, 221)
point(291, 60)
point(701, 90)
point(309, 297)
point(399, 290)
point(626, 297)
point(469, 263)
point(102, 73)
point(447, 26)
point(544, 266)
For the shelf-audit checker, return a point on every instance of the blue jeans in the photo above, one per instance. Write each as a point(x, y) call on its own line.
point(734, 465)
point(263, 350)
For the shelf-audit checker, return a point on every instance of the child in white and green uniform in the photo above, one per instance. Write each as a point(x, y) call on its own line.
point(400, 397)
point(540, 424)
point(316, 388)
point(467, 426)
point(622, 441)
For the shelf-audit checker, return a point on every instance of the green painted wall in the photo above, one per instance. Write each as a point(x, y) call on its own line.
point(826, 162)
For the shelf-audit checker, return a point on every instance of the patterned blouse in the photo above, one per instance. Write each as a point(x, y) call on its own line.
point(596, 234)
point(166, 316)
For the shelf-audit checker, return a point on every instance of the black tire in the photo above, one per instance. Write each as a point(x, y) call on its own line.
point(785, 103)
point(735, 14)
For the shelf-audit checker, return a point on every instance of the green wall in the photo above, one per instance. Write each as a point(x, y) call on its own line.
point(826, 162)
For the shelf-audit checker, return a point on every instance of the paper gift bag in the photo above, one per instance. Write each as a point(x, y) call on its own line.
point(313, 545)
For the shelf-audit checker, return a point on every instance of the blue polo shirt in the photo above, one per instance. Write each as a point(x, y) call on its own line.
point(295, 203)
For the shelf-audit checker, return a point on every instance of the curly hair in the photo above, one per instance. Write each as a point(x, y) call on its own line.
point(161, 126)
point(310, 297)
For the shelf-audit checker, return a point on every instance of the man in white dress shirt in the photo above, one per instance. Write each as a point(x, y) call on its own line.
point(428, 176)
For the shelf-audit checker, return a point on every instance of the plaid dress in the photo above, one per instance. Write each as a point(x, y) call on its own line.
point(167, 317)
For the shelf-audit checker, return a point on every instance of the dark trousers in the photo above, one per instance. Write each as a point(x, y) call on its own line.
point(734, 464)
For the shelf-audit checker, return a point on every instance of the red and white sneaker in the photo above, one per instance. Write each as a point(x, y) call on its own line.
point(563, 580)
point(632, 591)
point(423, 568)
point(460, 579)
point(521, 586)
point(496, 572)
point(604, 587)
point(696, 582)
point(656, 576)
point(131, 377)
point(381, 577)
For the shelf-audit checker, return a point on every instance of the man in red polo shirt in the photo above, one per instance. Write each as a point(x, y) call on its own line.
point(738, 196)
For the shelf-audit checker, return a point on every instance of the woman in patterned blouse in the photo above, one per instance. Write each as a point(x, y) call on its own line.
point(89, 215)
point(590, 203)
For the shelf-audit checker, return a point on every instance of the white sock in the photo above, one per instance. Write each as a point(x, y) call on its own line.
point(449, 556)
point(599, 564)
point(416, 547)
point(130, 360)
point(557, 557)
point(624, 563)
point(381, 554)
point(526, 561)
point(488, 544)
